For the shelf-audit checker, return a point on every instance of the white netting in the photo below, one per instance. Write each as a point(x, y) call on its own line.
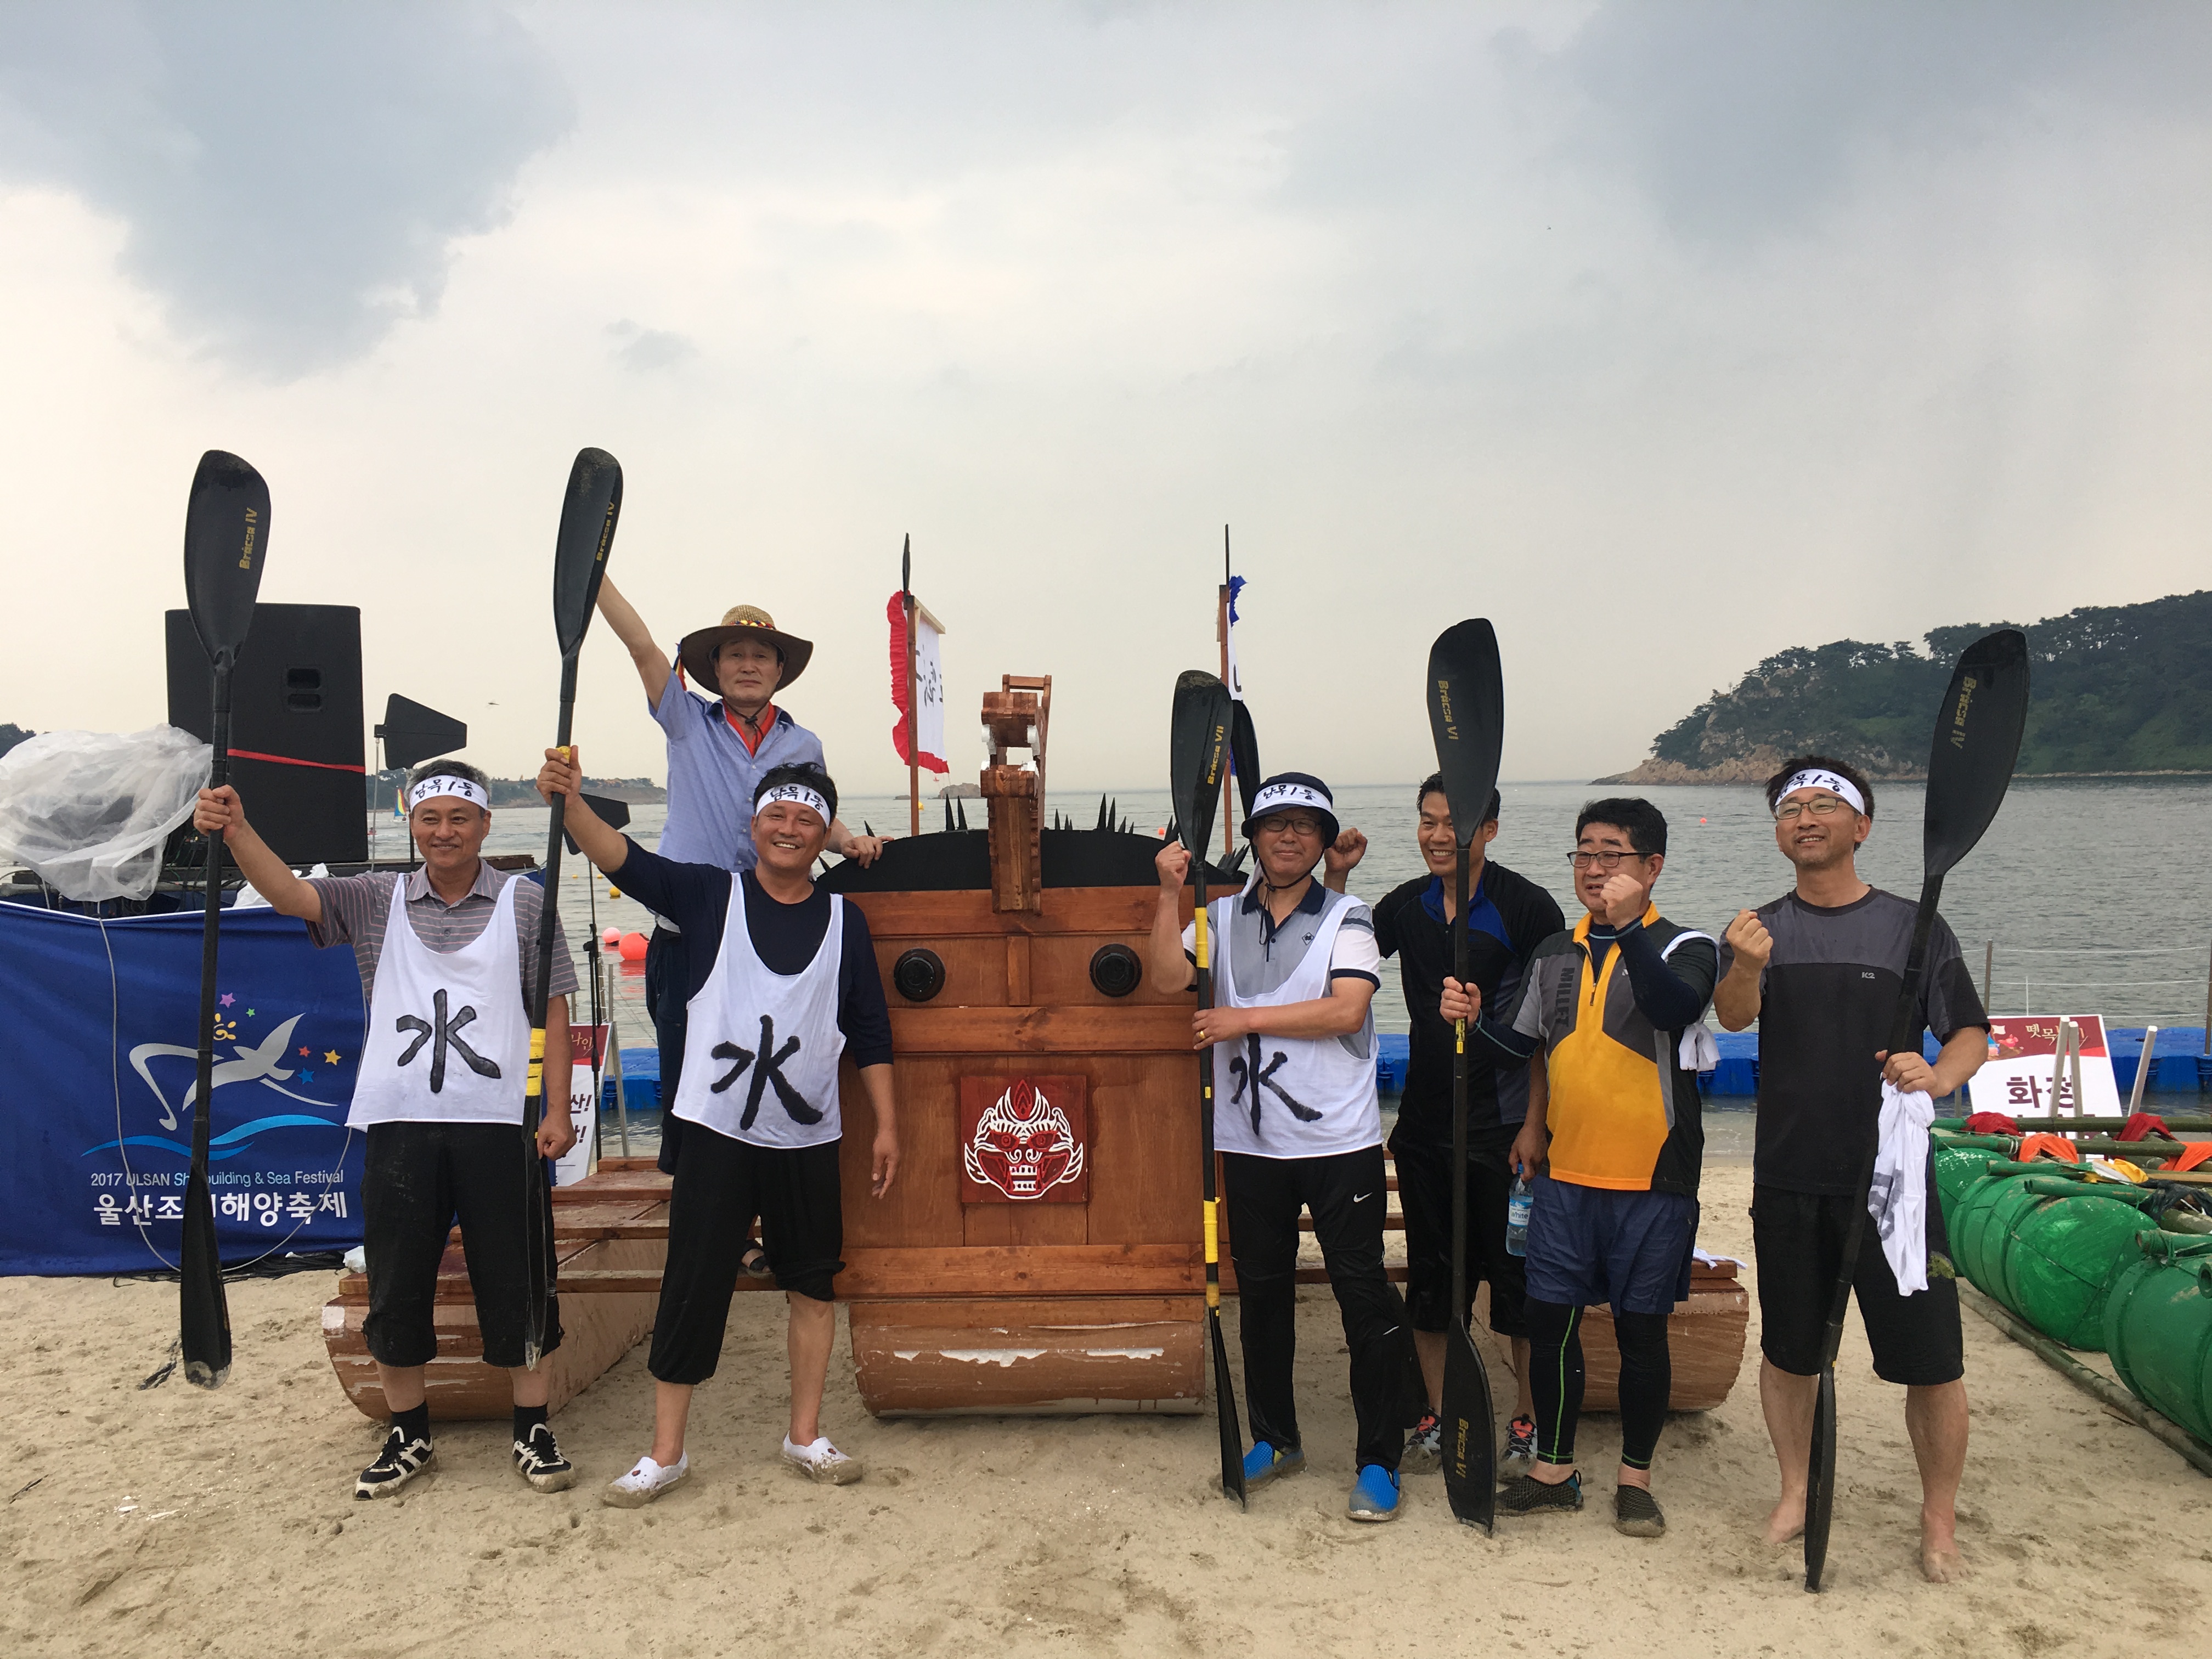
point(89, 811)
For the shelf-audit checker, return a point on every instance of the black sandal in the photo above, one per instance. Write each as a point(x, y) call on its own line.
point(754, 1261)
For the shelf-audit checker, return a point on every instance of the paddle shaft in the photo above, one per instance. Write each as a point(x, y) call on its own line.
point(205, 1312)
point(533, 1101)
point(1459, 1100)
point(1232, 1436)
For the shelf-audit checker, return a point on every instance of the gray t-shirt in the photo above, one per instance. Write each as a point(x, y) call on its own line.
point(356, 908)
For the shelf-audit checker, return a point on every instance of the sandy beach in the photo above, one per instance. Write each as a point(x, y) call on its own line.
point(174, 1520)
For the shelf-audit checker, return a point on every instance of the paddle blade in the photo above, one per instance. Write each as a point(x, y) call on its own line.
point(1466, 718)
point(226, 541)
point(1244, 751)
point(1198, 750)
point(1225, 1411)
point(1977, 732)
point(1470, 1433)
point(203, 1332)
point(587, 534)
point(1821, 1483)
point(414, 732)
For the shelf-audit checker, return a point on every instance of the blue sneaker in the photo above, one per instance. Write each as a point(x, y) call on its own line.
point(1265, 1463)
point(1374, 1495)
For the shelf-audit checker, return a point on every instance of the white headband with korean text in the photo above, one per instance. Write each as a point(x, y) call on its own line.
point(445, 784)
point(1827, 780)
point(796, 792)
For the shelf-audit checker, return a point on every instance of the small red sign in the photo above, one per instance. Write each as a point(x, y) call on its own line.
point(1024, 1141)
point(587, 1045)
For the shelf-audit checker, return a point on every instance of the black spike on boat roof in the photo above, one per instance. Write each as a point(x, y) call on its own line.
point(948, 814)
point(1168, 832)
point(1101, 825)
point(961, 807)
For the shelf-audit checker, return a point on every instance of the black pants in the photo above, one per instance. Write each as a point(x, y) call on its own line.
point(1425, 1193)
point(1345, 1193)
point(722, 1186)
point(1555, 1380)
point(417, 1180)
point(667, 974)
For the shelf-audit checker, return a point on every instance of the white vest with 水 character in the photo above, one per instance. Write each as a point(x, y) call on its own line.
point(448, 1036)
point(759, 1048)
point(1277, 1096)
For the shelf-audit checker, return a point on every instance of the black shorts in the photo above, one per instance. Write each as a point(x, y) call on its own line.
point(1798, 1238)
point(417, 1180)
point(1424, 1195)
point(722, 1186)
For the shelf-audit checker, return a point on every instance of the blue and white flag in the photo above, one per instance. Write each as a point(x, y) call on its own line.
point(1236, 675)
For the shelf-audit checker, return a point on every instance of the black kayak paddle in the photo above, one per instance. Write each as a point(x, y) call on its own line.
point(1467, 717)
point(1198, 753)
point(580, 562)
point(1977, 732)
point(226, 542)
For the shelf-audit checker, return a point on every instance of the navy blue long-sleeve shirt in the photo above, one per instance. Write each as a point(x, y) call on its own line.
point(696, 898)
point(1662, 995)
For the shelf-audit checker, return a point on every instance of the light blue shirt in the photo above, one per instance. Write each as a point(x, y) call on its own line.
point(711, 777)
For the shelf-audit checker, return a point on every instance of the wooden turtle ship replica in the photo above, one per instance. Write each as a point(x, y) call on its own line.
point(1042, 1250)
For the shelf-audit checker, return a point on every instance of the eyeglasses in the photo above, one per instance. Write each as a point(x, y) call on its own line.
point(1600, 860)
point(1820, 806)
point(1294, 826)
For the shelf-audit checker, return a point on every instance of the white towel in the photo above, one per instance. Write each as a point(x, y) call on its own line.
point(1698, 1052)
point(1897, 1199)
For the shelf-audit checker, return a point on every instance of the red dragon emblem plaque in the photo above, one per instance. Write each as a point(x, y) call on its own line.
point(1022, 1142)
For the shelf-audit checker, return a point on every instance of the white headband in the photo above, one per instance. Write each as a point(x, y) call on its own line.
point(1277, 796)
point(1827, 780)
point(445, 784)
point(798, 792)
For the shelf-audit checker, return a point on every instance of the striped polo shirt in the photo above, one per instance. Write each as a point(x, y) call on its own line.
point(356, 908)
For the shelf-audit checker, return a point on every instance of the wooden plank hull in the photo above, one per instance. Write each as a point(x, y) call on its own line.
point(1002, 1354)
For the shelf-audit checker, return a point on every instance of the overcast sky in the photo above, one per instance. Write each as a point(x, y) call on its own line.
point(1666, 336)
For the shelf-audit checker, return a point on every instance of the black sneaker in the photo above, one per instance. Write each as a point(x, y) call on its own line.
point(538, 1461)
point(400, 1462)
point(1637, 1513)
point(1527, 1495)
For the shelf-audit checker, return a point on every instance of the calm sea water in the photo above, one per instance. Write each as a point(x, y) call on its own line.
point(2080, 884)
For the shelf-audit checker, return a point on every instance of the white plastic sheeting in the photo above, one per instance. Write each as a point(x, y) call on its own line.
point(89, 811)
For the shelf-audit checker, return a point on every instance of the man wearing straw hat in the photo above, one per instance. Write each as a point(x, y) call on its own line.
point(718, 752)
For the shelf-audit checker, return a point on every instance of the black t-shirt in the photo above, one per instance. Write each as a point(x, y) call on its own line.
point(1508, 917)
point(696, 898)
point(1828, 1001)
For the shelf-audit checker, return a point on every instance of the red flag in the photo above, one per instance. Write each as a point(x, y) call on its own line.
point(897, 610)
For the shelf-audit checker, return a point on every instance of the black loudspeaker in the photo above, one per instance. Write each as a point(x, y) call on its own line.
point(295, 726)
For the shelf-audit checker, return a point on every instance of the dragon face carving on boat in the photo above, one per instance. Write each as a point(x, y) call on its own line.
point(1024, 1147)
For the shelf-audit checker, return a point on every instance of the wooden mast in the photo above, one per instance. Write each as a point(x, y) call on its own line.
point(1221, 633)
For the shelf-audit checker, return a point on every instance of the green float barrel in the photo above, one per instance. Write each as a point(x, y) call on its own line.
point(1960, 1161)
point(2062, 1254)
point(2158, 1328)
point(1983, 1227)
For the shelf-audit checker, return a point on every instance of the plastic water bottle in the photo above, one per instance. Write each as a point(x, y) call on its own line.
point(1517, 1217)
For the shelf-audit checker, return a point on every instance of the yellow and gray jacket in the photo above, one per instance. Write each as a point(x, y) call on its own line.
point(1609, 1013)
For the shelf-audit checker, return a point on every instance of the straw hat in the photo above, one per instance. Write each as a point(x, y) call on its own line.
point(696, 651)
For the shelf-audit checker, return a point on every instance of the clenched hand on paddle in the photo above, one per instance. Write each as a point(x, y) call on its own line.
point(1977, 732)
point(1467, 717)
point(226, 541)
point(588, 514)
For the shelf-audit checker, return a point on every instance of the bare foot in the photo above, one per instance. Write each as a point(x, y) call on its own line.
point(1786, 1523)
point(1940, 1560)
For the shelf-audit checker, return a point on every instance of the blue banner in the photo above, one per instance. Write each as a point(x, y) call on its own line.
point(96, 1096)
